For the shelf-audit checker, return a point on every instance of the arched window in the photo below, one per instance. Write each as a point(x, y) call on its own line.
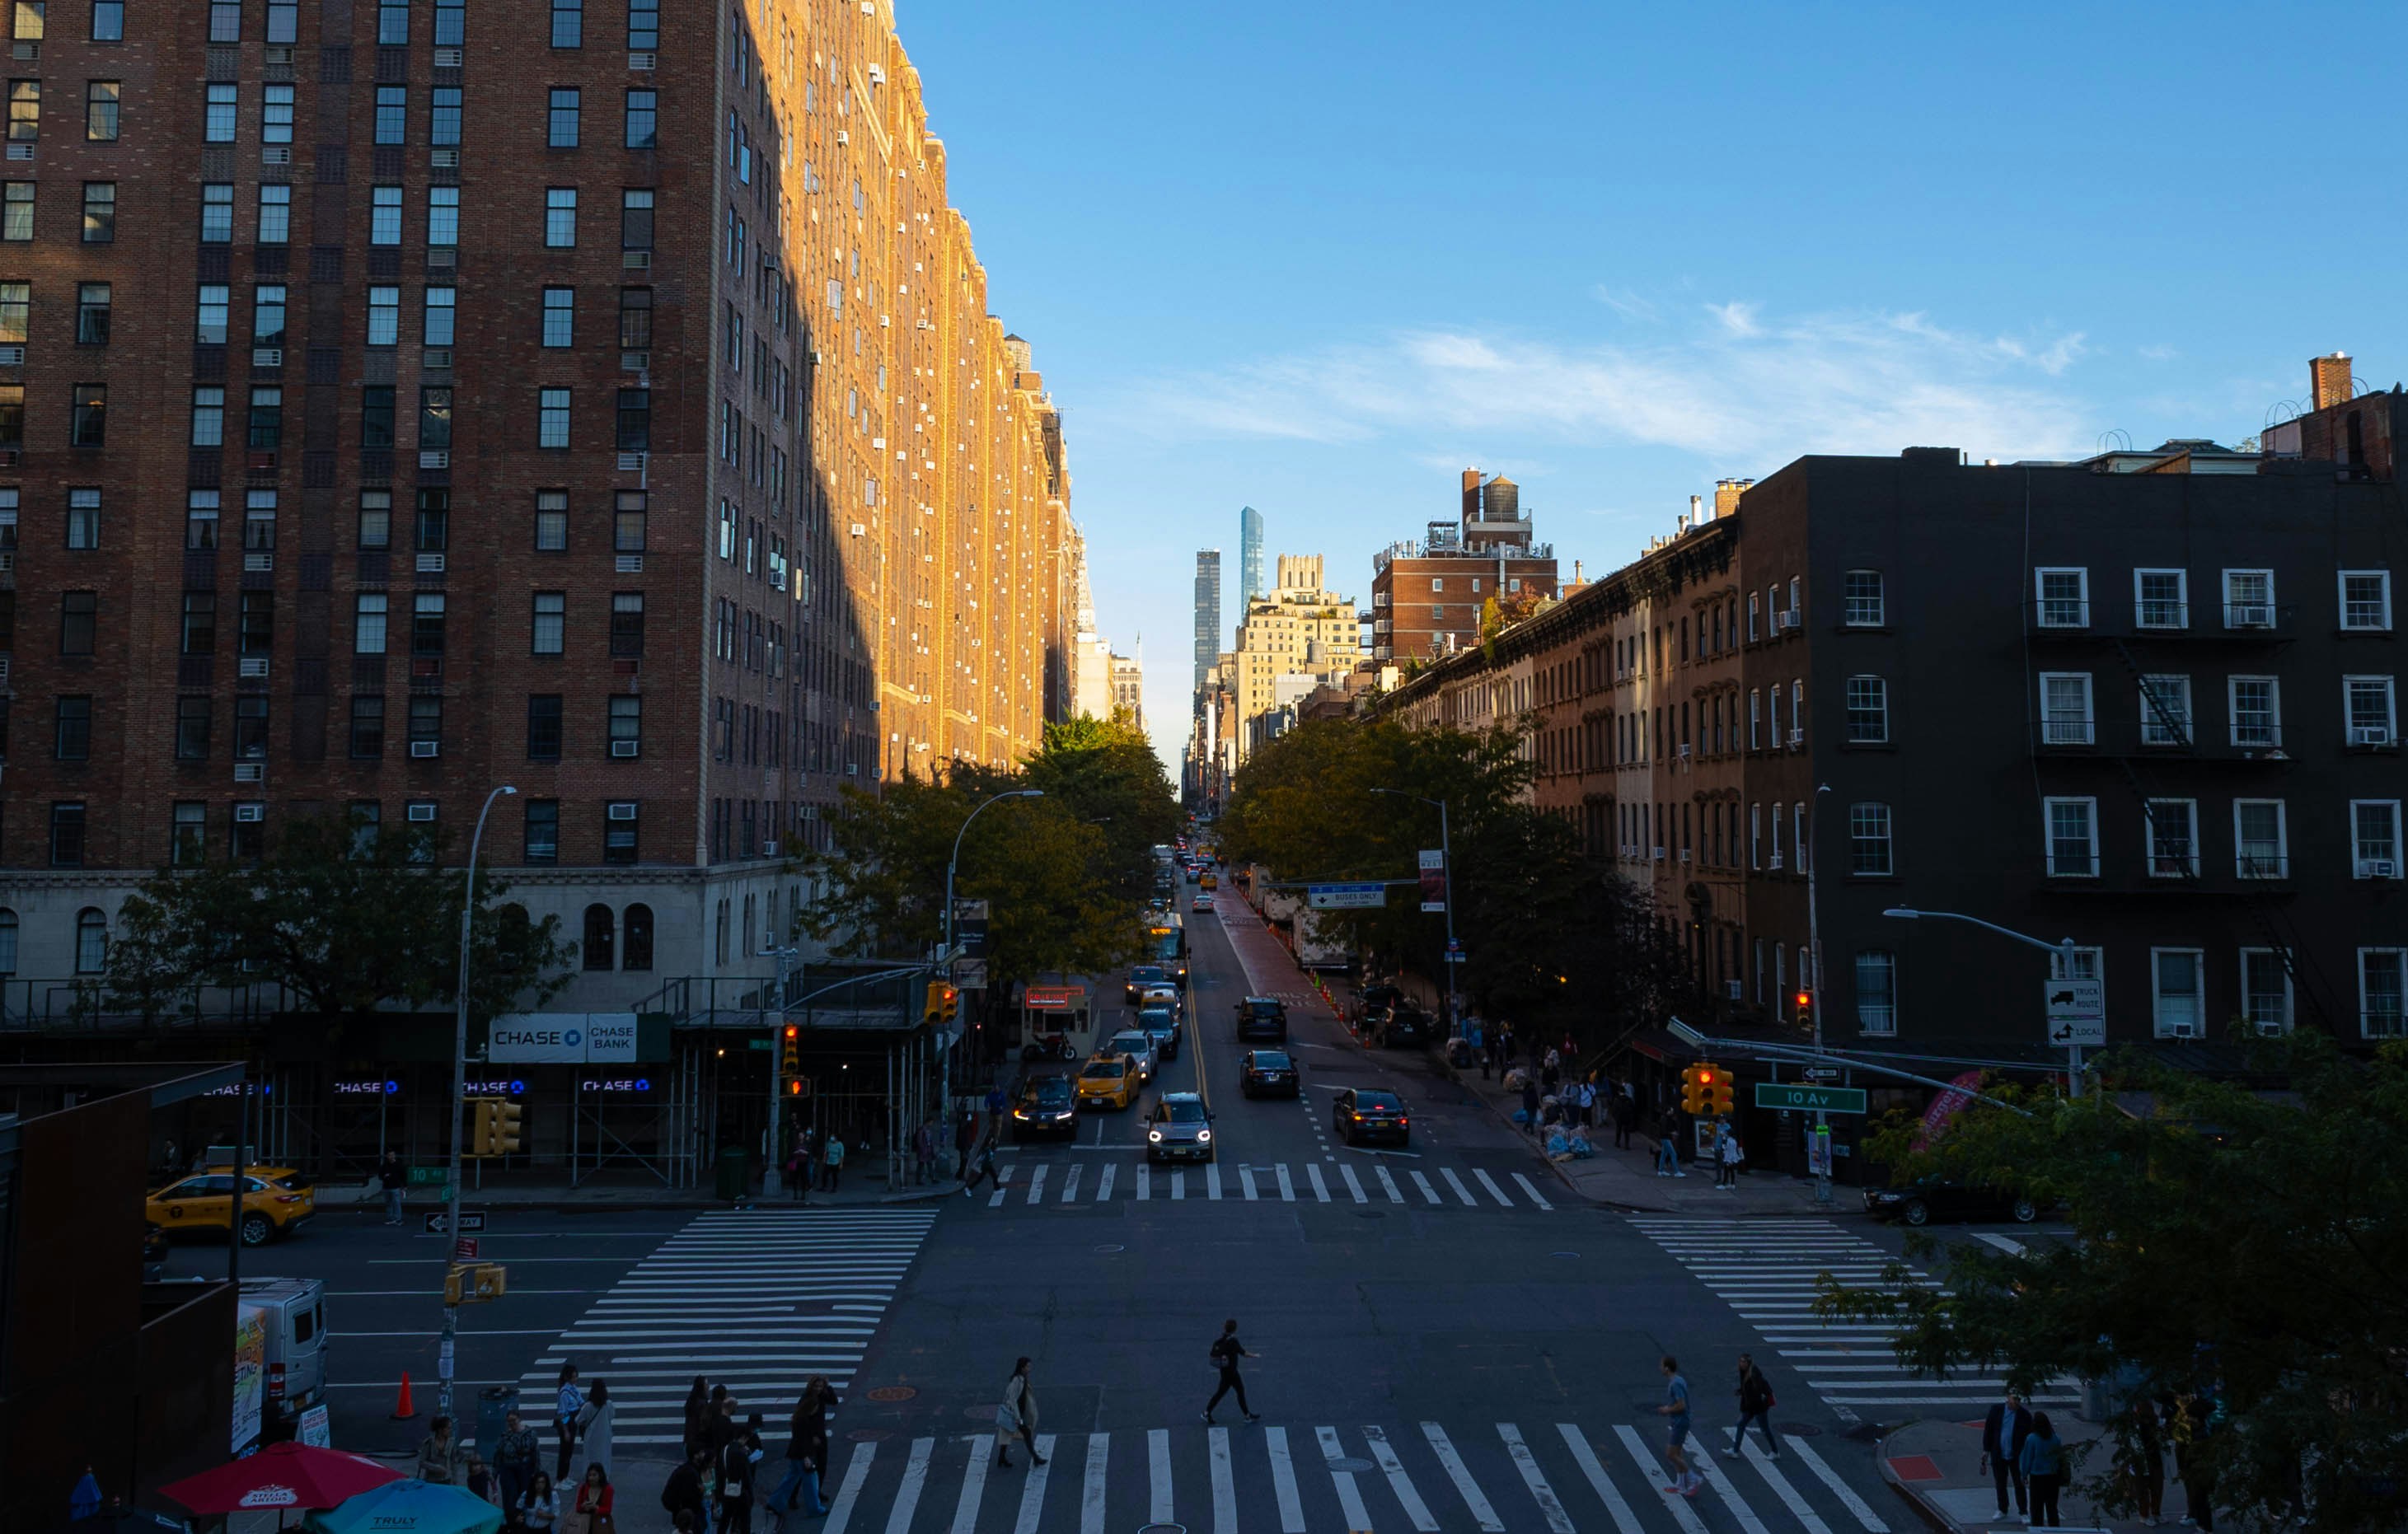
point(635, 945)
point(92, 941)
point(7, 941)
point(600, 927)
point(720, 938)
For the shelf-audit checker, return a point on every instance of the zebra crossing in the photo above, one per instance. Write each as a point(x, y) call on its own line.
point(1498, 1477)
point(1767, 1270)
point(757, 1301)
point(1033, 1182)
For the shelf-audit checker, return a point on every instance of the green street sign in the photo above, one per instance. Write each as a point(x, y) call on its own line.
point(1830, 1100)
point(422, 1176)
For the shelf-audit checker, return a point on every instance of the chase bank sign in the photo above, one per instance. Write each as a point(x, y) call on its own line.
point(563, 1037)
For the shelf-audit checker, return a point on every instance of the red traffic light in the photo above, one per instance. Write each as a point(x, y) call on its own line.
point(792, 1032)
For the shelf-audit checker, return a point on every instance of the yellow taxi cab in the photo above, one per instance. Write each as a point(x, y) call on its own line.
point(1209, 881)
point(1107, 1081)
point(274, 1203)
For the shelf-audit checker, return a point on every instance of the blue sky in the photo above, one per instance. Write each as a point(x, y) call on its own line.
point(1318, 257)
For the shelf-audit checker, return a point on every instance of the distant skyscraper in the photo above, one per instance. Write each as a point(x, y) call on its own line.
point(1250, 552)
point(1208, 612)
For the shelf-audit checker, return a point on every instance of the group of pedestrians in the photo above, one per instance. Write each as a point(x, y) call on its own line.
point(2022, 1454)
point(817, 1162)
point(530, 1497)
point(1755, 1404)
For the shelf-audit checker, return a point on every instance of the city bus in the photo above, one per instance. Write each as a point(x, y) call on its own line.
point(1165, 943)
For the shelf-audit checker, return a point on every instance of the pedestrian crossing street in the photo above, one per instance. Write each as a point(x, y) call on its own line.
point(1767, 1269)
point(1499, 1477)
point(756, 1300)
point(1074, 1182)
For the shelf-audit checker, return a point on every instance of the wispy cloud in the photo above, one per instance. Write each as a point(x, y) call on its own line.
point(1627, 303)
point(1741, 386)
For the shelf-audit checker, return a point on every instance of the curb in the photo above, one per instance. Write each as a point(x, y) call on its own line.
point(1454, 1074)
point(1936, 1521)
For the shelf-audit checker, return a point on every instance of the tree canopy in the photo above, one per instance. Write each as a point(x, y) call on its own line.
point(2230, 1241)
point(348, 918)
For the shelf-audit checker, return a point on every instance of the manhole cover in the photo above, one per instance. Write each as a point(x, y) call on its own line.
point(893, 1392)
point(869, 1435)
point(1350, 1463)
point(1109, 1247)
point(1164, 1528)
point(1802, 1430)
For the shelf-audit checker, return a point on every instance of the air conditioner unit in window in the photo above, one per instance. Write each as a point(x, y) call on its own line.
point(26, 50)
point(444, 159)
point(1774, 865)
point(447, 57)
point(430, 564)
point(422, 813)
point(631, 565)
point(436, 359)
point(443, 255)
point(842, 137)
point(249, 814)
point(254, 665)
point(21, 152)
point(276, 54)
point(1685, 855)
point(1796, 738)
point(635, 260)
point(434, 458)
point(2251, 615)
point(250, 772)
point(267, 356)
point(1659, 856)
point(623, 810)
point(635, 362)
point(256, 562)
point(858, 529)
point(2370, 735)
point(425, 748)
point(631, 462)
point(12, 356)
point(623, 747)
point(279, 154)
point(2377, 867)
point(260, 461)
point(1734, 991)
point(643, 62)
point(769, 848)
point(7, 560)
point(1683, 753)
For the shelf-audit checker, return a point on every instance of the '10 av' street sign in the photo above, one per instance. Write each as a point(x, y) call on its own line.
point(1830, 1100)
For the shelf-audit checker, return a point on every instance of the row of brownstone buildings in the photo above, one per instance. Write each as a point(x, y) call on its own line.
point(2147, 700)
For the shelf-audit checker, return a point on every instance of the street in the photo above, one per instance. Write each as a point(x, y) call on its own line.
point(1447, 1338)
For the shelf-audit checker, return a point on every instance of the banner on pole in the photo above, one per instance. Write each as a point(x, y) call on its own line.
point(1433, 880)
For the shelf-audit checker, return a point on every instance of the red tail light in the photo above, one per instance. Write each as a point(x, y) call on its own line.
point(276, 1379)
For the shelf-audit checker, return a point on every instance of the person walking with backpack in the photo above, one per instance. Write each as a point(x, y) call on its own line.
point(1756, 1405)
point(1227, 1351)
point(2042, 1462)
point(1016, 1417)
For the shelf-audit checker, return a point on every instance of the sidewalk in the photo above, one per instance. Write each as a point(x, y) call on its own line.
point(1936, 1466)
point(864, 1183)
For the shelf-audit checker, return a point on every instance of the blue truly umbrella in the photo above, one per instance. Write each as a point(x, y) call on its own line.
point(409, 1506)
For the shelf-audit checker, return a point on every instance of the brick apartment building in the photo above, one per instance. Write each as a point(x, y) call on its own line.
point(2148, 701)
point(379, 425)
point(1427, 593)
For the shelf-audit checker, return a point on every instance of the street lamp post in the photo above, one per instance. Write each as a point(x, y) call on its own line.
point(1446, 873)
point(458, 1091)
point(945, 1061)
point(771, 1159)
point(1814, 856)
point(2062, 948)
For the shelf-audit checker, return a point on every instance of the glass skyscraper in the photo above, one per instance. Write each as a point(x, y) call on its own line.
point(1208, 612)
point(1250, 552)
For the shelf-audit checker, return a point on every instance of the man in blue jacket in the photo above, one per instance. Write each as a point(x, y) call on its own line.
point(2004, 1433)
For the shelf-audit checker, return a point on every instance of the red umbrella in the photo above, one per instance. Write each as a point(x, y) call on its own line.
point(282, 1475)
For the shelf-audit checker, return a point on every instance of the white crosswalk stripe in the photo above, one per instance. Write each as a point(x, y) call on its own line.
point(1071, 1182)
point(1212, 1179)
point(759, 1300)
point(1036, 1183)
point(1057, 1183)
point(1354, 1184)
point(1498, 1478)
point(1320, 1188)
point(1768, 1272)
point(1104, 1184)
point(1456, 1183)
point(1388, 1184)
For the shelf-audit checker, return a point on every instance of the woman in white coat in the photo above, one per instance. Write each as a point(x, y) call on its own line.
point(1016, 1417)
point(593, 1425)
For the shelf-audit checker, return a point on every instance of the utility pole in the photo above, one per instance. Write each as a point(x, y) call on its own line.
point(443, 1361)
point(1446, 876)
point(1820, 1157)
point(772, 1159)
point(945, 1063)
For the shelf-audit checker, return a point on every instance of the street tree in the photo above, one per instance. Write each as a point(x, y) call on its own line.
point(347, 919)
point(2230, 1243)
point(1106, 774)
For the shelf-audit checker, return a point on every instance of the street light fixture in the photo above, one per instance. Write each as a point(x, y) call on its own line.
point(1446, 871)
point(945, 1070)
point(2063, 948)
point(459, 1090)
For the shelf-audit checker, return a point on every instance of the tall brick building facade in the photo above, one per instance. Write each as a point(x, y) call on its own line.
point(398, 400)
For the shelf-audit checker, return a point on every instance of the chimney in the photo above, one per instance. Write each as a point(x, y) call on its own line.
point(1726, 494)
point(1470, 495)
point(2329, 380)
point(1696, 511)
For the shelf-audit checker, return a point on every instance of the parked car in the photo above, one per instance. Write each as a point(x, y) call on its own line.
point(1365, 1113)
point(1180, 1131)
point(1929, 1199)
point(1262, 1017)
point(1269, 1073)
point(1046, 1107)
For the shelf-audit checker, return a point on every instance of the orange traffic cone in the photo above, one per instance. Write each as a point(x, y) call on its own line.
point(402, 1409)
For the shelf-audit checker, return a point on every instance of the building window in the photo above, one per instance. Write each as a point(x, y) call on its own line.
point(2375, 837)
point(2161, 599)
point(91, 314)
point(2165, 710)
point(100, 102)
point(550, 521)
point(543, 730)
point(2381, 980)
point(25, 110)
point(2063, 595)
point(276, 114)
point(635, 218)
point(391, 113)
point(368, 727)
point(2367, 700)
point(1754, 834)
point(2256, 711)
point(551, 418)
point(561, 125)
point(1754, 719)
point(643, 119)
point(551, 623)
point(192, 727)
point(1869, 840)
point(635, 420)
point(643, 25)
point(267, 314)
point(435, 418)
point(2175, 976)
point(627, 623)
point(78, 622)
point(210, 311)
point(266, 427)
point(2261, 843)
point(384, 215)
point(209, 417)
point(376, 520)
point(635, 319)
point(1876, 990)
point(425, 720)
point(626, 725)
point(2073, 837)
point(426, 620)
point(92, 941)
point(542, 830)
point(384, 317)
point(17, 211)
point(109, 21)
point(559, 217)
point(2173, 826)
point(275, 214)
point(251, 727)
point(442, 208)
point(567, 24)
point(627, 523)
point(559, 317)
point(636, 950)
point(376, 416)
point(200, 627)
point(83, 518)
point(2249, 599)
point(71, 728)
point(2365, 600)
point(2265, 990)
point(600, 927)
point(188, 838)
point(219, 113)
point(368, 623)
point(438, 316)
point(66, 834)
point(620, 826)
point(1864, 607)
point(393, 23)
point(2065, 709)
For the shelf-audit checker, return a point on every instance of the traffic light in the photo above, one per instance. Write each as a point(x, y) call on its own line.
point(1693, 1085)
point(454, 1285)
point(1720, 1088)
point(944, 1001)
point(789, 1057)
point(506, 1126)
point(480, 1127)
point(953, 1002)
point(1805, 1004)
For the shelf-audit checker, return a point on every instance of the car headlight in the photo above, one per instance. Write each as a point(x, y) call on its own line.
point(1155, 1135)
point(1020, 1113)
point(1066, 1113)
point(1203, 1137)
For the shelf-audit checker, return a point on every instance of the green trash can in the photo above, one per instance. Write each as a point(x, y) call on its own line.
point(735, 1174)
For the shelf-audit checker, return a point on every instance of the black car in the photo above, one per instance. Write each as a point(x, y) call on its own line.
point(1046, 1106)
point(1363, 1113)
point(1142, 977)
point(1262, 1017)
point(1269, 1073)
point(1934, 1199)
point(1404, 1026)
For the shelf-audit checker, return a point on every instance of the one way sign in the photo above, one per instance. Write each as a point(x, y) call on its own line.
point(2077, 1013)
